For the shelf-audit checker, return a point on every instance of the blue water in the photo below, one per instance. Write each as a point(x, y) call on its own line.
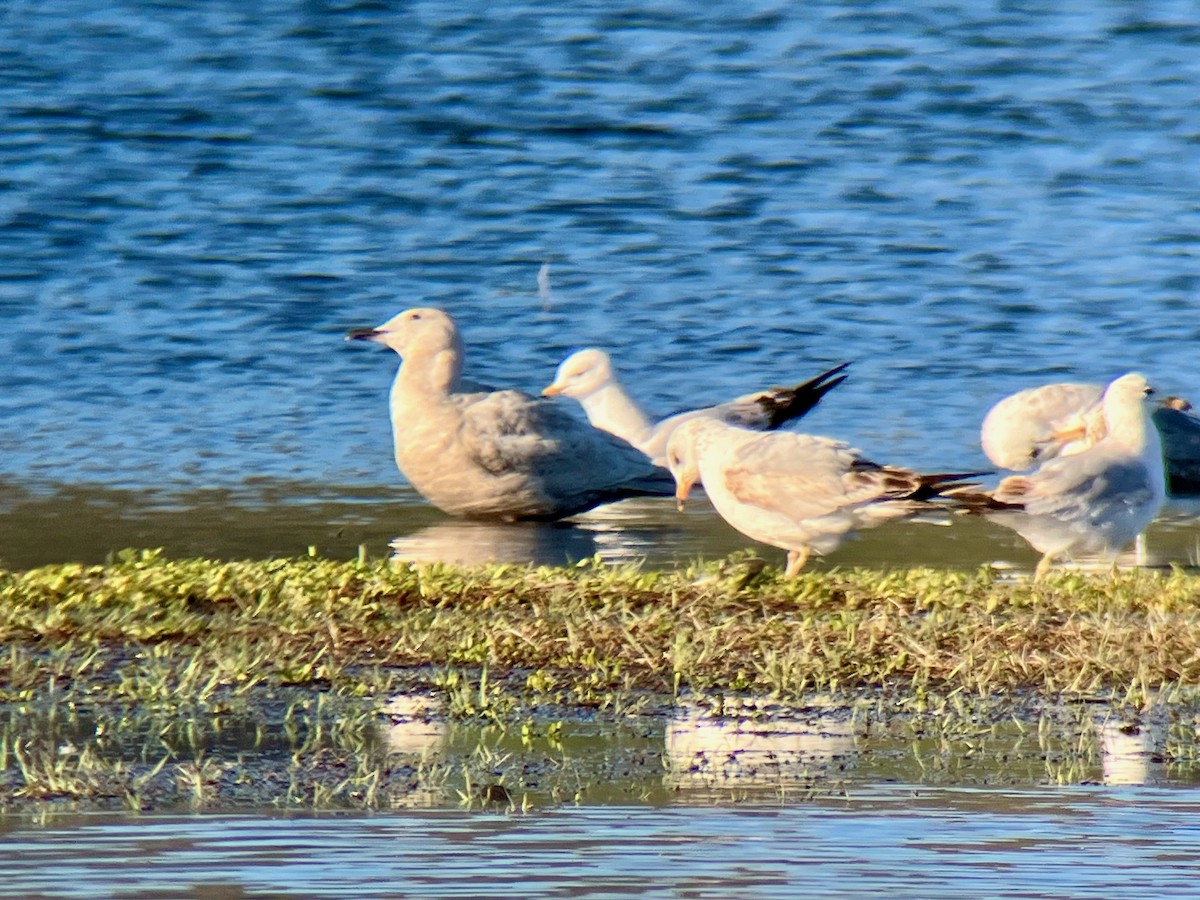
point(896, 843)
point(196, 200)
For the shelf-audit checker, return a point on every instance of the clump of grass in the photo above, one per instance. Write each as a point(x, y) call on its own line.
point(153, 629)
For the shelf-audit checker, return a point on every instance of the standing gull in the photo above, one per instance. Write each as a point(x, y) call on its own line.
point(1040, 423)
point(587, 376)
point(495, 454)
point(802, 493)
point(1095, 499)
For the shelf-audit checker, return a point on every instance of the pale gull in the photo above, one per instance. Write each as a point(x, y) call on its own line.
point(495, 454)
point(802, 493)
point(1096, 499)
point(587, 376)
point(1036, 424)
point(1040, 423)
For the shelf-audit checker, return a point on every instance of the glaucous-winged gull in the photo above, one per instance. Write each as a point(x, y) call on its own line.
point(799, 492)
point(495, 454)
point(1098, 497)
point(587, 376)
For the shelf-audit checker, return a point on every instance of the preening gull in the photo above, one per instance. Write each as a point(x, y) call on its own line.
point(1036, 424)
point(802, 493)
point(587, 376)
point(1040, 423)
point(495, 454)
point(1097, 498)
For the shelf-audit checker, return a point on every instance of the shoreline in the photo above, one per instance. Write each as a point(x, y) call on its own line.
point(147, 668)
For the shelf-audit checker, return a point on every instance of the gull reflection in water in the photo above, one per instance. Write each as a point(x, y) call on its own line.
point(413, 724)
point(1131, 753)
point(749, 746)
point(617, 533)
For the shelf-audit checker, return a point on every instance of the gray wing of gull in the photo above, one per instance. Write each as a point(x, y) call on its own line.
point(802, 476)
point(573, 465)
point(759, 411)
point(1092, 488)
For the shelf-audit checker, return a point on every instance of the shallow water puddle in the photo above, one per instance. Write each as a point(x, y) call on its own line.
point(296, 753)
point(90, 524)
point(704, 796)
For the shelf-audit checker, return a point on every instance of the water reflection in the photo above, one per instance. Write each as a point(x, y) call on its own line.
point(749, 745)
point(413, 724)
point(267, 520)
point(618, 533)
point(1131, 753)
point(953, 843)
point(476, 543)
point(636, 529)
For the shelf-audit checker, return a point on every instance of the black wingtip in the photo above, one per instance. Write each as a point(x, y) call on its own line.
point(784, 404)
point(947, 484)
point(840, 367)
point(945, 477)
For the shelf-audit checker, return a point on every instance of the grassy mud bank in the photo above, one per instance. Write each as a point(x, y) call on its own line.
point(151, 682)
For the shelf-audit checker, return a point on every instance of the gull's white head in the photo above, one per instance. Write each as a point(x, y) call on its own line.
point(683, 457)
point(580, 374)
point(421, 331)
point(1128, 389)
point(428, 343)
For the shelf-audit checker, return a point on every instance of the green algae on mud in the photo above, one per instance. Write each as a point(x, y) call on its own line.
point(152, 683)
point(199, 626)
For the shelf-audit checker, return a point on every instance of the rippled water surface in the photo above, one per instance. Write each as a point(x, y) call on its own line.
point(895, 842)
point(198, 200)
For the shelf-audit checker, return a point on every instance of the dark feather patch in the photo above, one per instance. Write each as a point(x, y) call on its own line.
point(784, 404)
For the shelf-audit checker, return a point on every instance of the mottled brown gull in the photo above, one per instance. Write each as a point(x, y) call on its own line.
point(1095, 499)
point(799, 492)
point(495, 454)
point(588, 376)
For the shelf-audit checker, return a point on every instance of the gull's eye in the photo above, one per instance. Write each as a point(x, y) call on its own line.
point(414, 315)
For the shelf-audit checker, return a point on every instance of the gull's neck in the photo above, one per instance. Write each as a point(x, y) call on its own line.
point(1129, 425)
point(609, 408)
point(429, 375)
point(715, 445)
